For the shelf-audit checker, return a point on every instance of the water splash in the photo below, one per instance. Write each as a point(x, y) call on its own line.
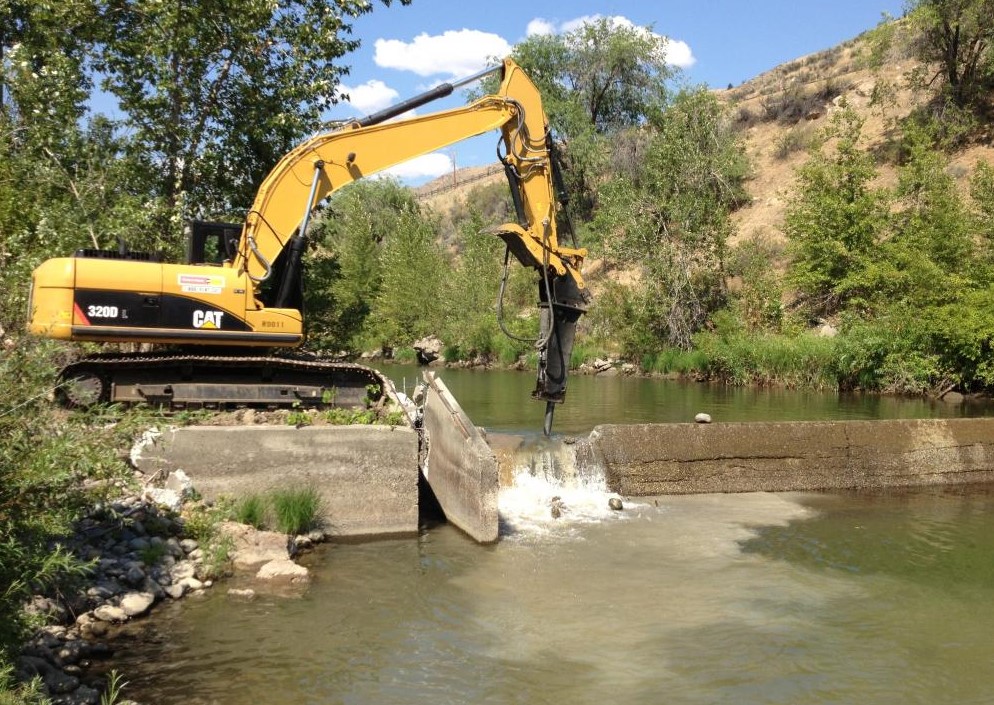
point(554, 488)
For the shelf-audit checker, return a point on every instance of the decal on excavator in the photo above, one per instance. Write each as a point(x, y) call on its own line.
point(200, 284)
point(207, 319)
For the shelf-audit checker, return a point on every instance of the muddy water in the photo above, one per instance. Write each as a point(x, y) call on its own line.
point(757, 598)
point(779, 599)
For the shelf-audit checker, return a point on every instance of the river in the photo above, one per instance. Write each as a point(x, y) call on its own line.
point(757, 598)
point(499, 401)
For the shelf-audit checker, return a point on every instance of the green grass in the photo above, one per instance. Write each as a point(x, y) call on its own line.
point(801, 361)
point(251, 509)
point(674, 361)
point(295, 510)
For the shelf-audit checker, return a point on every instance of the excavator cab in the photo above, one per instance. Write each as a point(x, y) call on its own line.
point(209, 242)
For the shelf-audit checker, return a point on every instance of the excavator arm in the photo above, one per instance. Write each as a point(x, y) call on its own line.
point(323, 164)
point(332, 160)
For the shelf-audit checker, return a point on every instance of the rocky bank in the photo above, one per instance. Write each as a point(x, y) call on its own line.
point(140, 551)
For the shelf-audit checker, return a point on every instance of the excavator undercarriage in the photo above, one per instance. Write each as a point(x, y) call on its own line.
point(196, 381)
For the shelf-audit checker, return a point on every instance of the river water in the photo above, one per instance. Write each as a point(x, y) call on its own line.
point(499, 401)
point(756, 598)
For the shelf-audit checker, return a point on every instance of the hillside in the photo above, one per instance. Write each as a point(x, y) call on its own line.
point(442, 193)
point(781, 111)
point(778, 115)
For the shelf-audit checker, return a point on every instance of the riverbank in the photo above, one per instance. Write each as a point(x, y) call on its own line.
point(156, 545)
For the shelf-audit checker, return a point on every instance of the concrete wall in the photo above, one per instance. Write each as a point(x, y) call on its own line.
point(367, 475)
point(460, 467)
point(652, 459)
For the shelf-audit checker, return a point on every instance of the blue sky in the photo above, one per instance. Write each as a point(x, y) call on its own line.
point(407, 49)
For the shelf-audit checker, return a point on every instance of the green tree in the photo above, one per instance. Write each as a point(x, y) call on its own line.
point(596, 80)
point(408, 304)
point(215, 92)
point(835, 220)
point(471, 294)
point(931, 251)
point(982, 192)
point(344, 272)
point(957, 36)
point(44, 60)
point(670, 218)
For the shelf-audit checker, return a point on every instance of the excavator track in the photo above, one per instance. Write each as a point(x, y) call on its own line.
point(183, 381)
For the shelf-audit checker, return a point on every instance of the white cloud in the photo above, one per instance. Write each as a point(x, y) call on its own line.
point(454, 53)
point(370, 96)
point(678, 53)
point(430, 165)
point(540, 26)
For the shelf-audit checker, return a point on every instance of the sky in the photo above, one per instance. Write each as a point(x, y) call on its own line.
point(406, 50)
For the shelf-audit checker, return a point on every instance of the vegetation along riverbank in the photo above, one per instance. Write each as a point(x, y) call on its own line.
point(829, 224)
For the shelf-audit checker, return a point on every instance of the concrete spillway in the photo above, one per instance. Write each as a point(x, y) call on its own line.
point(368, 475)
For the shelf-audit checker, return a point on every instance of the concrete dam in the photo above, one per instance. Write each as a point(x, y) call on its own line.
point(368, 476)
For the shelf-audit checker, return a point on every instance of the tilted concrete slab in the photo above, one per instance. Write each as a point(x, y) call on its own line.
point(460, 467)
point(653, 459)
point(367, 475)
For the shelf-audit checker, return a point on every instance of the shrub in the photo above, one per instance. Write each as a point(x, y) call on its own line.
point(674, 360)
point(797, 139)
point(45, 456)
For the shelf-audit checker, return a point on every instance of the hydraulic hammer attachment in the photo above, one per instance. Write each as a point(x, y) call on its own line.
point(561, 303)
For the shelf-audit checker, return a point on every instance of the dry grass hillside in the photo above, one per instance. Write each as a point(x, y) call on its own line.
point(778, 114)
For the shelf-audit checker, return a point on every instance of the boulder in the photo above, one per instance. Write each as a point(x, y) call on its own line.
point(166, 498)
point(109, 613)
point(283, 568)
point(428, 349)
point(250, 547)
point(191, 584)
point(83, 695)
point(953, 398)
point(180, 483)
point(137, 603)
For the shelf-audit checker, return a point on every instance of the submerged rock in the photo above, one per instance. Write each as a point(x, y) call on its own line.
point(245, 594)
point(283, 568)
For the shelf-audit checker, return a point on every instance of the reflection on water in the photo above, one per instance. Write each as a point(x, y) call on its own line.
point(938, 536)
point(500, 401)
point(760, 598)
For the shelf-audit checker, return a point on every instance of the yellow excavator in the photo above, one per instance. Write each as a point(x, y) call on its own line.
point(238, 296)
